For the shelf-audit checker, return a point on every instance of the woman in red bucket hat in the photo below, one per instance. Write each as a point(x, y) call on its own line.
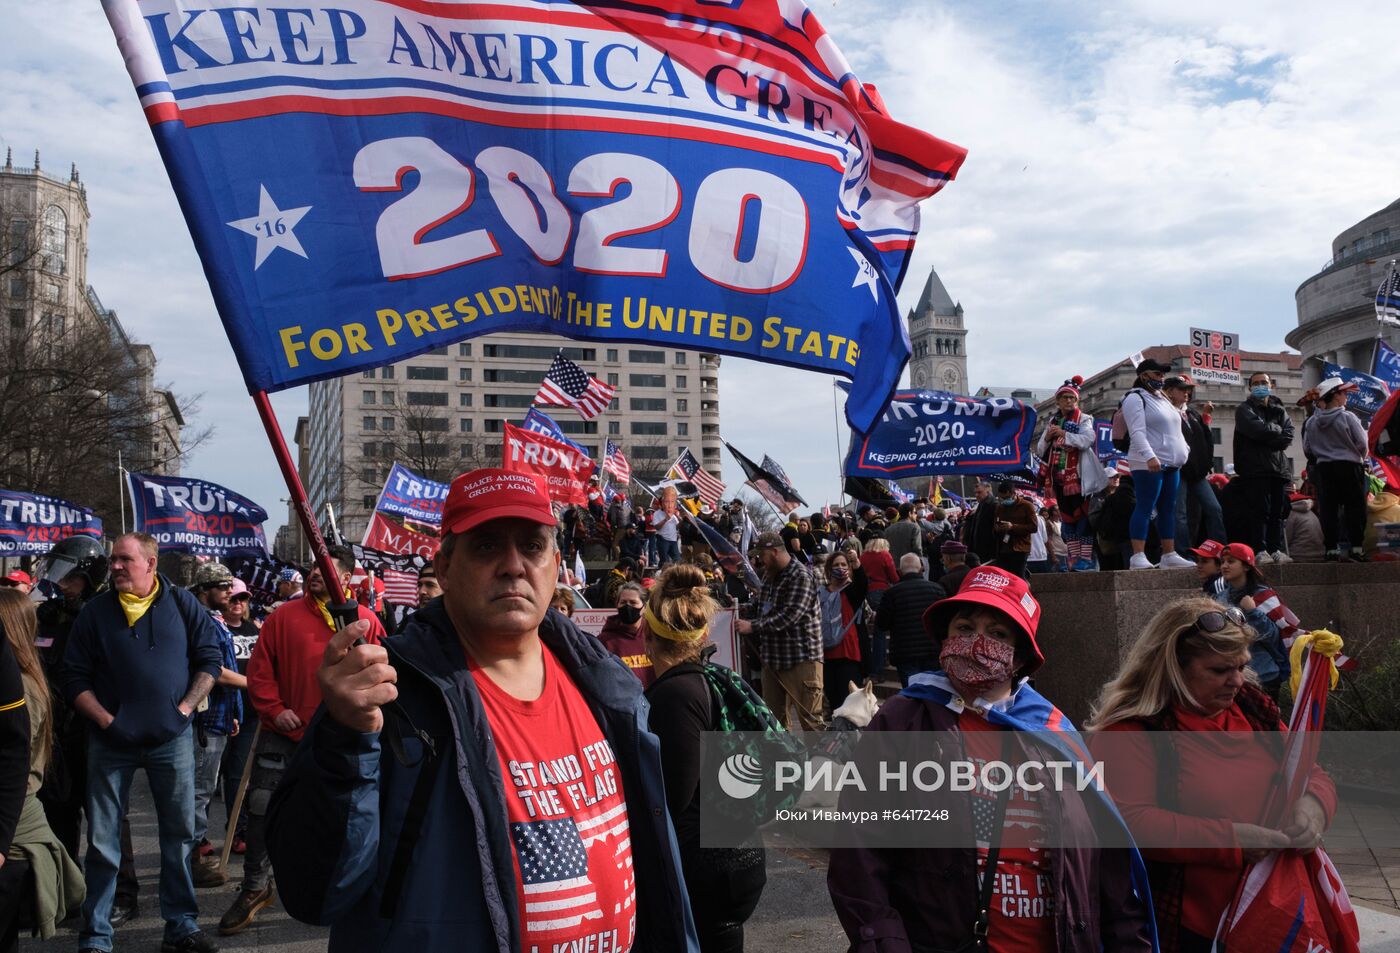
point(1005, 886)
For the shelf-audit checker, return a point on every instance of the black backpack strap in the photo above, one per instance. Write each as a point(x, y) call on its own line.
point(408, 834)
point(989, 872)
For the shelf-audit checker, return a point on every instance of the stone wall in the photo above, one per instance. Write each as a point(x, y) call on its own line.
point(1091, 619)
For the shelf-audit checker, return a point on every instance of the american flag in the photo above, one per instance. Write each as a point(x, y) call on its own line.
point(554, 859)
point(711, 490)
point(568, 385)
point(1308, 887)
point(1388, 298)
point(399, 573)
point(616, 464)
point(1269, 603)
point(773, 467)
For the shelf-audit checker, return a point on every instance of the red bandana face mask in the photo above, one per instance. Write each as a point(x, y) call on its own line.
point(977, 661)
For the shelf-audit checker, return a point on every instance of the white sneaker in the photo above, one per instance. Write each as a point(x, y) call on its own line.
point(1262, 558)
point(1140, 561)
point(1280, 557)
point(1175, 561)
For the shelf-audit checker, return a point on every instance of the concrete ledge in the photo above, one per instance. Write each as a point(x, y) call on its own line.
point(1091, 619)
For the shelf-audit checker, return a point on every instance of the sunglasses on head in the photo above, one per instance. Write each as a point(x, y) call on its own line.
point(9, 583)
point(1217, 619)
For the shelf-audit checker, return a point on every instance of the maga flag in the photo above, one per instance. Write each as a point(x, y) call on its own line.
point(371, 180)
point(383, 535)
point(564, 470)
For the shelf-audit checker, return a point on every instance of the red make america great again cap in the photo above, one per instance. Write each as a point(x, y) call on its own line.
point(479, 496)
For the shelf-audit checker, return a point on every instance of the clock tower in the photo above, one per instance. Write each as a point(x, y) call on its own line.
point(939, 341)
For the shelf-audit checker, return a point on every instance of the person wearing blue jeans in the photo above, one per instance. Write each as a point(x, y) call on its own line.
point(1197, 505)
point(140, 659)
point(169, 769)
point(213, 587)
point(1157, 450)
point(1198, 513)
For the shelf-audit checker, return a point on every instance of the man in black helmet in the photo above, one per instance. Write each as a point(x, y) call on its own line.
point(74, 571)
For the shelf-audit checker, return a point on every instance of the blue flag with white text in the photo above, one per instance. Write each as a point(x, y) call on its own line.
point(1386, 366)
point(540, 422)
point(1370, 391)
point(371, 180)
point(412, 496)
point(930, 432)
point(31, 524)
point(195, 516)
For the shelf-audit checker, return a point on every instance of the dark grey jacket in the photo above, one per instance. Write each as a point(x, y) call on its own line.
point(335, 823)
point(902, 615)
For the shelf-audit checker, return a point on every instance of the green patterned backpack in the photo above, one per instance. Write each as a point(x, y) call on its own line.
point(752, 736)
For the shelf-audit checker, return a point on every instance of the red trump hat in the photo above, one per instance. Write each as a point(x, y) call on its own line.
point(995, 589)
point(480, 496)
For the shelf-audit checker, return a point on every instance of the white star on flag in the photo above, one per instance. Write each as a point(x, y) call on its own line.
point(272, 227)
point(865, 273)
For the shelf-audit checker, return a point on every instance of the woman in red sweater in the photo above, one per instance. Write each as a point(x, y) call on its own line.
point(879, 567)
point(1195, 791)
point(840, 599)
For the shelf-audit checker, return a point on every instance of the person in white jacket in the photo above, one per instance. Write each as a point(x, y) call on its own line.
point(1069, 447)
point(1156, 452)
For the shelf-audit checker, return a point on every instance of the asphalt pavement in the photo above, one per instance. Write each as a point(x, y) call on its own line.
point(794, 916)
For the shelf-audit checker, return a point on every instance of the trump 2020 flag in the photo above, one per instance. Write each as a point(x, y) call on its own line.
point(196, 516)
point(1386, 365)
point(412, 496)
point(372, 179)
point(31, 524)
point(926, 433)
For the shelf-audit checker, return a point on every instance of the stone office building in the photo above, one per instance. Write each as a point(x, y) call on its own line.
point(1336, 306)
point(443, 412)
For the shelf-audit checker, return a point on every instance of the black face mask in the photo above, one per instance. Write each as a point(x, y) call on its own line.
point(629, 615)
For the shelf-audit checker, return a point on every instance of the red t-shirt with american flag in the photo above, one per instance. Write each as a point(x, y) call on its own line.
point(567, 815)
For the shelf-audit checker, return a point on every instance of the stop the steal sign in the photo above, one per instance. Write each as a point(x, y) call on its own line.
point(1215, 356)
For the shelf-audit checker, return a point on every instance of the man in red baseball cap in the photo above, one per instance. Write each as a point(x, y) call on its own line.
point(520, 752)
point(1208, 562)
point(19, 579)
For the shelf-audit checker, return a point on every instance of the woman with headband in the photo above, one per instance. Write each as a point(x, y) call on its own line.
point(724, 883)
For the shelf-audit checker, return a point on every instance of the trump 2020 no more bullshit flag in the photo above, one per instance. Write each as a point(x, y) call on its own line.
point(368, 181)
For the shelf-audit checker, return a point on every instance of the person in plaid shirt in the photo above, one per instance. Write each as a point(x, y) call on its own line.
point(216, 724)
point(787, 620)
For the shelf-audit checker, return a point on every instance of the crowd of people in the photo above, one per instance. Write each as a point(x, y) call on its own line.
point(491, 776)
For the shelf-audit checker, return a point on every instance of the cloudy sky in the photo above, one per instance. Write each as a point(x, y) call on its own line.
point(1130, 173)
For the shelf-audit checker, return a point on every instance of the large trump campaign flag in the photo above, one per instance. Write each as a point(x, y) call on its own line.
point(373, 179)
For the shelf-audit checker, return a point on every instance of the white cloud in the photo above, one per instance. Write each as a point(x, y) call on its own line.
point(1130, 172)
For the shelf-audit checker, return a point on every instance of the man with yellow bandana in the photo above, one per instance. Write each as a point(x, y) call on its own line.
point(140, 659)
point(284, 691)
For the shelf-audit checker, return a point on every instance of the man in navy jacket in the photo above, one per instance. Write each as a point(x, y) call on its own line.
point(514, 799)
point(140, 659)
